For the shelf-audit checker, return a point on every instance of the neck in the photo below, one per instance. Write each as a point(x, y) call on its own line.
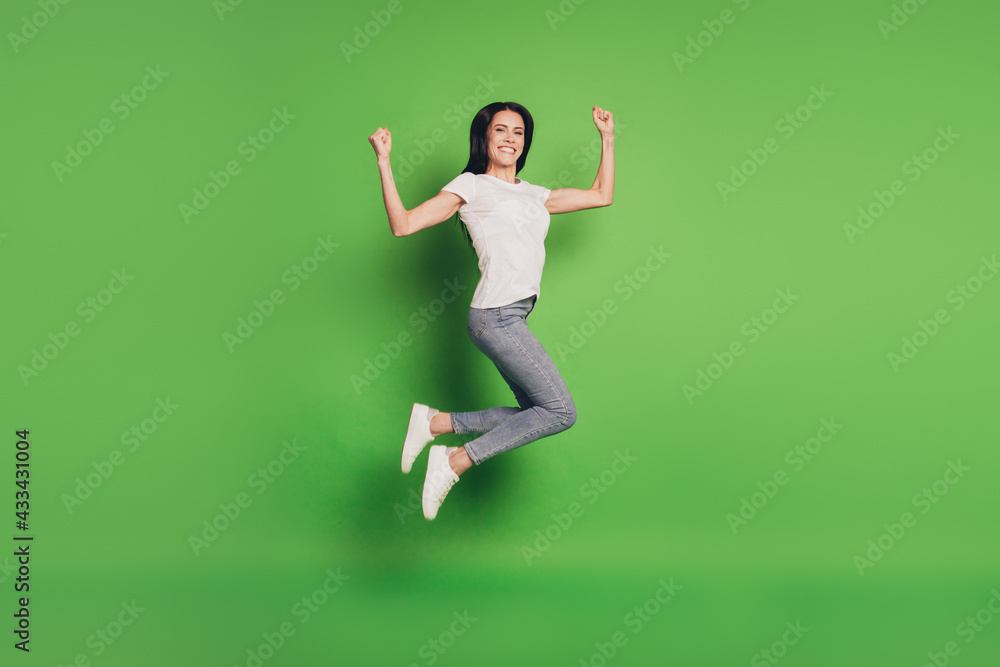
point(507, 174)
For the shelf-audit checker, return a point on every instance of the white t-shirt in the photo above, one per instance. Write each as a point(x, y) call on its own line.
point(508, 223)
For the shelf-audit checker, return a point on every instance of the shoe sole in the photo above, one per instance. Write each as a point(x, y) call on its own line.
point(432, 459)
point(433, 463)
point(418, 412)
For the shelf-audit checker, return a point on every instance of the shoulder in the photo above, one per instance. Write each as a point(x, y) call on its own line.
point(466, 180)
point(464, 185)
point(464, 177)
point(540, 191)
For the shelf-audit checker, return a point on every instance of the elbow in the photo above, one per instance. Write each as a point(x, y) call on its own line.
point(605, 197)
point(399, 229)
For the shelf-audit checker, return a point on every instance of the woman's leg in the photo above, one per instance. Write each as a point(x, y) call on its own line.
point(502, 334)
point(481, 421)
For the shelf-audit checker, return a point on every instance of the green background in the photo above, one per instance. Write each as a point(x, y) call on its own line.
point(342, 502)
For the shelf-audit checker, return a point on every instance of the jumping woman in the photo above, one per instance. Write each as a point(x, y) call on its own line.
point(505, 219)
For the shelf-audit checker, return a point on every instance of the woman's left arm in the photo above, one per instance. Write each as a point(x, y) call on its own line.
point(601, 193)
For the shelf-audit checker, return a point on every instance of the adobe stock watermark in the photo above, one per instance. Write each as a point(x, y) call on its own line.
point(88, 309)
point(915, 167)
point(786, 126)
point(714, 28)
point(752, 329)
point(968, 629)
point(121, 108)
point(525, 214)
point(303, 610)
point(381, 18)
point(626, 286)
point(636, 619)
point(223, 7)
point(413, 504)
point(926, 330)
point(592, 491)
point(797, 458)
point(105, 468)
point(7, 569)
point(563, 11)
point(252, 146)
point(583, 157)
point(924, 500)
point(294, 276)
point(420, 320)
point(259, 481)
point(779, 648)
point(105, 636)
point(435, 647)
point(31, 24)
point(901, 13)
point(406, 164)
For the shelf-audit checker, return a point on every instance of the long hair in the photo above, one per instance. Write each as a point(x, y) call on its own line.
point(479, 158)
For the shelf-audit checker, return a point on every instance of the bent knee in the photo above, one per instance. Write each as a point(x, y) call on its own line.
point(567, 416)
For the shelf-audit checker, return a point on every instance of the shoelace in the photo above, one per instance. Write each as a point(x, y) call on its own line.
point(443, 491)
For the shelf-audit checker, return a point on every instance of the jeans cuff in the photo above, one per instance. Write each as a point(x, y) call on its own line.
point(472, 457)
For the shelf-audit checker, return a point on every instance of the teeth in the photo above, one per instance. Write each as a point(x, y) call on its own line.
point(508, 150)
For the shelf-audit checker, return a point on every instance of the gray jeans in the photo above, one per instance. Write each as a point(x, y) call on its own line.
point(546, 407)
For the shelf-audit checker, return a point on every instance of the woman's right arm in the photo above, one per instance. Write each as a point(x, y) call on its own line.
point(402, 222)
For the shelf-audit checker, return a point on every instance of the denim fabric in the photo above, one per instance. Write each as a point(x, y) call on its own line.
point(546, 407)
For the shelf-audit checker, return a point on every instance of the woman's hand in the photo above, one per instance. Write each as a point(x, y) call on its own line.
point(604, 120)
point(381, 141)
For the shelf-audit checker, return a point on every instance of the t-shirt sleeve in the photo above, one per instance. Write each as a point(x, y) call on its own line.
point(543, 193)
point(463, 185)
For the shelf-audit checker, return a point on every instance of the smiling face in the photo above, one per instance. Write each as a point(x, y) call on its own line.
point(505, 138)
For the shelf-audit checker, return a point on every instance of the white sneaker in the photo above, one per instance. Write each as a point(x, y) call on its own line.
point(440, 478)
point(418, 434)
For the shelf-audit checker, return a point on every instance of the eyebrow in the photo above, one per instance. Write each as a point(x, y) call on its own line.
point(516, 127)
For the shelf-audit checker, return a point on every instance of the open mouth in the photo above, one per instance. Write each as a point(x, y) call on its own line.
point(507, 149)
